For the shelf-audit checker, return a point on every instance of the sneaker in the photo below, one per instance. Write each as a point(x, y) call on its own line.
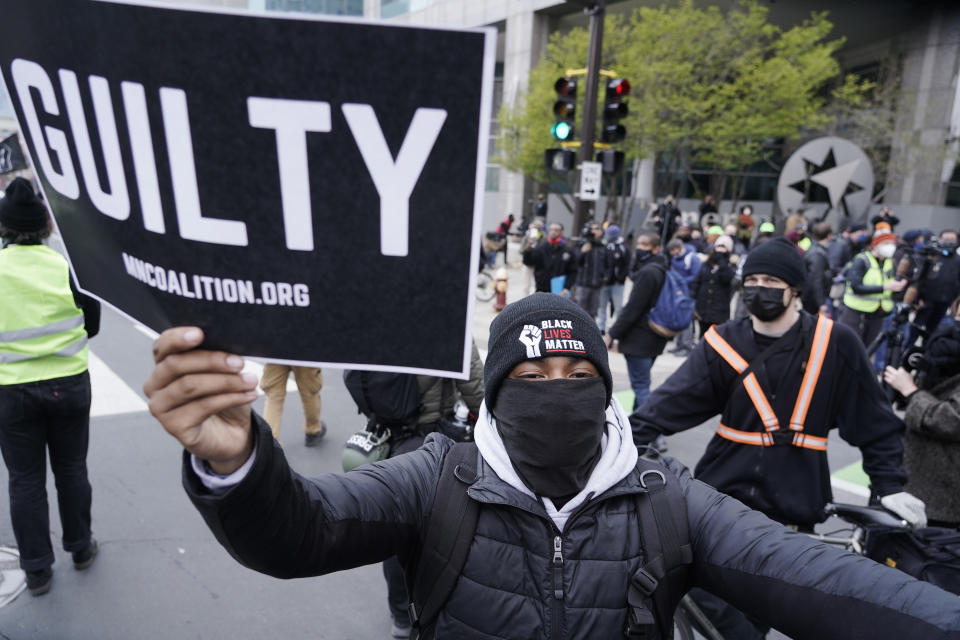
point(83, 559)
point(38, 582)
point(313, 439)
point(400, 629)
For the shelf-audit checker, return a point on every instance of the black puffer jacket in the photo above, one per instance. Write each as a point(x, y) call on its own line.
point(712, 289)
point(549, 261)
point(593, 265)
point(287, 526)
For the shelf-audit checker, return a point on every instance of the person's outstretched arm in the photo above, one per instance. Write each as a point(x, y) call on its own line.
point(271, 519)
point(805, 588)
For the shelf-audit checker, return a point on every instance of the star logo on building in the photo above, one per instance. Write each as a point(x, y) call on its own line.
point(826, 181)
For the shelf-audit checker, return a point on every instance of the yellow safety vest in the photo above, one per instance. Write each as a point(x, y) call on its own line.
point(875, 276)
point(42, 335)
point(772, 434)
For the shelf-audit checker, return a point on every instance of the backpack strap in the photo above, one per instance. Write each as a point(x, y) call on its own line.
point(447, 539)
point(658, 585)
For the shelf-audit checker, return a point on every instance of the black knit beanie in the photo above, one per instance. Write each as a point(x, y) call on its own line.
point(21, 209)
point(777, 257)
point(540, 326)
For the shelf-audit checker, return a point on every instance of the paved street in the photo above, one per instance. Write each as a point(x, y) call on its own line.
point(160, 573)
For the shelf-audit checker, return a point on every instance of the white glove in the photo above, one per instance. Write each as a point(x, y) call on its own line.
point(907, 506)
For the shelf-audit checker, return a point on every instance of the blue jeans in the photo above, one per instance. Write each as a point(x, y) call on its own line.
point(609, 293)
point(37, 417)
point(638, 370)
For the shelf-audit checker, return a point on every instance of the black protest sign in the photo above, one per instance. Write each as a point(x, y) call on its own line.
point(303, 189)
point(11, 156)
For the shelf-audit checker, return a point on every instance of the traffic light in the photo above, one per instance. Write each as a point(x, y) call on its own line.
point(611, 160)
point(564, 109)
point(614, 110)
point(560, 159)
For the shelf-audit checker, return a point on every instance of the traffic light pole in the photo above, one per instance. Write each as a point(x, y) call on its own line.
point(596, 11)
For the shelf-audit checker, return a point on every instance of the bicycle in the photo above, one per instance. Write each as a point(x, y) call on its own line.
point(486, 288)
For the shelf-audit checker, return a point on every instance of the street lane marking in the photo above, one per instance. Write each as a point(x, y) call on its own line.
point(110, 393)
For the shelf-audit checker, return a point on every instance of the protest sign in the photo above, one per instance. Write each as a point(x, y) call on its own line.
point(11, 156)
point(306, 190)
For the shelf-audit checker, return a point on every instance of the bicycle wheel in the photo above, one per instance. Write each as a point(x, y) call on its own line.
point(682, 629)
point(485, 289)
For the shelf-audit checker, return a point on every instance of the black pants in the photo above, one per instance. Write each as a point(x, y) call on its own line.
point(397, 597)
point(866, 325)
point(35, 417)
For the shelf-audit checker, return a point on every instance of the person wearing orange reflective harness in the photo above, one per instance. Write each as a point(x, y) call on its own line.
point(780, 380)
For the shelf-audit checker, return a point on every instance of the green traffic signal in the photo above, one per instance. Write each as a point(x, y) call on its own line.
point(564, 109)
point(562, 131)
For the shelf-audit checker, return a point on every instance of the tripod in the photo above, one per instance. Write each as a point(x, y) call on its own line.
point(894, 338)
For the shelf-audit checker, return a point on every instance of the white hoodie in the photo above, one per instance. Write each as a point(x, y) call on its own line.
point(618, 457)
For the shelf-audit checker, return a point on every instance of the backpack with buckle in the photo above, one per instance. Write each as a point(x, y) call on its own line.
point(655, 589)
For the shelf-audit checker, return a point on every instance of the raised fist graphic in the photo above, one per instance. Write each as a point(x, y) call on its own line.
point(530, 336)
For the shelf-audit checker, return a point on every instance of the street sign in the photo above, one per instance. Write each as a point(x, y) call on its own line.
point(259, 176)
point(591, 174)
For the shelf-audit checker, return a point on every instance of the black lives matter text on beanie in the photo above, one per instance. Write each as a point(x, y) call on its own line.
point(20, 208)
point(777, 257)
point(540, 326)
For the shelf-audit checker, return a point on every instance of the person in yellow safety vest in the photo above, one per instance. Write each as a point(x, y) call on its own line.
point(44, 387)
point(780, 379)
point(871, 282)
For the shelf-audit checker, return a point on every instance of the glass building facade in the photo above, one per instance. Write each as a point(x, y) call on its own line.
point(330, 7)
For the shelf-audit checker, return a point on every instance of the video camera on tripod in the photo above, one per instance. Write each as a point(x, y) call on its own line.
point(917, 264)
point(897, 354)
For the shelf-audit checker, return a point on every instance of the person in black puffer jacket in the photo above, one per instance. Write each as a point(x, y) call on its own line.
point(593, 263)
point(551, 258)
point(713, 287)
point(557, 488)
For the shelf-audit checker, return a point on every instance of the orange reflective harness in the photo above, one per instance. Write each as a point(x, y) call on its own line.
point(772, 434)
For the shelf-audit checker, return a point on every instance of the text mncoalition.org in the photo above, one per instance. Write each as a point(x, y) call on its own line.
point(202, 287)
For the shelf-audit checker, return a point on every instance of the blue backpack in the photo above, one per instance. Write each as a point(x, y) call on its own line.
point(673, 311)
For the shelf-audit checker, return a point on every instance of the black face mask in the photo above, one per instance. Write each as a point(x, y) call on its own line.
point(642, 255)
point(552, 431)
point(764, 302)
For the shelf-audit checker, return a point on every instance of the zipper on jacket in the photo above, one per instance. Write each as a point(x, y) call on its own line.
point(557, 568)
point(557, 585)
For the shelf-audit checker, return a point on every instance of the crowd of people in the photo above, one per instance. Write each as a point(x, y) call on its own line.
point(546, 521)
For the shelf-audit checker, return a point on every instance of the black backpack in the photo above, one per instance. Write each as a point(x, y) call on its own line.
point(655, 589)
point(931, 554)
point(387, 399)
